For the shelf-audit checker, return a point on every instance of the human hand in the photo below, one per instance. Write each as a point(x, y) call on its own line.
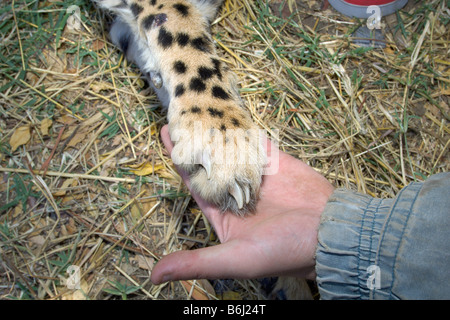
point(280, 238)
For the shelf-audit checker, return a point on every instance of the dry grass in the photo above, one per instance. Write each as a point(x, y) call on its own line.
point(86, 182)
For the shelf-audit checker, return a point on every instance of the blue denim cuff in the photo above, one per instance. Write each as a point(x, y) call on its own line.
point(348, 240)
point(397, 248)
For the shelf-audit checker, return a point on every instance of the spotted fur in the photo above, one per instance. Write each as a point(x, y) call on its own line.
point(170, 41)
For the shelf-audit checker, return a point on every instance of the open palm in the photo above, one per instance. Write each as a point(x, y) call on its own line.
point(280, 238)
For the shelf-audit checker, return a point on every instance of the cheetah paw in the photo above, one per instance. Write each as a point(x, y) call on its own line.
point(225, 168)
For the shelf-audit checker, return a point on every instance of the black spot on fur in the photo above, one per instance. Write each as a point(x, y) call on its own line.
point(160, 6)
point(205, 73)
point(216, 63)
point(123, 4)
point(182, 9)
point(201, 44)
point(179, 90)
point(179, 67)
point(124, 42)
point(165, 38)
point(197, 84)
point(235, 122)
point(148, 21)
point(223, 127)
point(196, 109)
point(152, 2)
point(215, 112)
point(136, 9)
point(182, 39)
point(160, 19)
point(183, 112)
point(219, 93)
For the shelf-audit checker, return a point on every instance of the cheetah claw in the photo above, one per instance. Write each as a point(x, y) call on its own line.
point(239, 194)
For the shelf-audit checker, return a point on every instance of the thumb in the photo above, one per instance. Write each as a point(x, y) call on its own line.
point(165, 137)
point(227, 260)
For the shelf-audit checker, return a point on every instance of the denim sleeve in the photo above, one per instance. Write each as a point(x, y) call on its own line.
point(397, 248)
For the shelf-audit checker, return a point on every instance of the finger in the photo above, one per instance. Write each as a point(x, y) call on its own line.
point(228, 260)
point(165, 137)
